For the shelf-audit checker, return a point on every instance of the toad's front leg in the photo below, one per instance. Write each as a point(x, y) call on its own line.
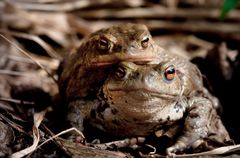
point(78, 112)
point(198, 125)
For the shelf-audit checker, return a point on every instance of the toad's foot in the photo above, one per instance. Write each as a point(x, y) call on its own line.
point(199, 126)
point(129, 142)
point(77, 139)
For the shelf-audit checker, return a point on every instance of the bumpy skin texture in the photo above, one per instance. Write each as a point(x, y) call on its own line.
point(137, 100)
point(87, 68)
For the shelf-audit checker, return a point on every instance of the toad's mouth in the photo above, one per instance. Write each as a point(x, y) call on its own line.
point(104, 60)
point(142, 93)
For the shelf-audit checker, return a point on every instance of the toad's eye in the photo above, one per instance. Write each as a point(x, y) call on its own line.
point(103, 44)
point(120, 73)
point(169, 73)
point(144, 42)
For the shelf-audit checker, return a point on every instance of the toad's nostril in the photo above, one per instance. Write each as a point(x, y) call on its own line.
point(133, 49)
point(118, 48)
point(134, 45)
point(149, 77)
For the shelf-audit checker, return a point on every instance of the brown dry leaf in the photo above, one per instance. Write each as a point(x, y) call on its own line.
point(53, 25)
point(214, 152)
point(29, 56)
point(37, 117)
point(34, 80)
point(51, 52)
point(4, 87)
point(71, 5)
point(5, 138)
point(81, 151)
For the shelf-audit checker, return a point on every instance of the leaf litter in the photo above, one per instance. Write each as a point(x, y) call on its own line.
point(64, 32)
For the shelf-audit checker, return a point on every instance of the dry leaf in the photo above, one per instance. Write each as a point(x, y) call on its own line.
point(37, 117)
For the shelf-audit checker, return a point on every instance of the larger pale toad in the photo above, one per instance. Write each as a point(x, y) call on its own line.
point(137, 100)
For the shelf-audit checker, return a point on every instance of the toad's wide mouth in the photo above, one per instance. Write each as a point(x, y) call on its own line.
point(104, 60)
point(142, 93)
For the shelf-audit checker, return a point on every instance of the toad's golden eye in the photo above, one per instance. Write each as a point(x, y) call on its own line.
point(144, 42)
point(103, 44)
point(169, 73)
point(120, 73)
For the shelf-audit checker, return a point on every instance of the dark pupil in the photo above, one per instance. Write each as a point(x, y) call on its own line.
point(171, 71)
point(120, 73)
point(145, 40)
point(103, 44)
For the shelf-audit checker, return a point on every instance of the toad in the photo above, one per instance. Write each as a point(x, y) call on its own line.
point(87, 68)
point(150, 90)
point(137, 100)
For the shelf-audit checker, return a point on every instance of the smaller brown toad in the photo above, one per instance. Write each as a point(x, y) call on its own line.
point(87, 68)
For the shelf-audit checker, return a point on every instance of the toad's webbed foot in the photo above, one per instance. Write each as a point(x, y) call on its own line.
point(128, 142)
point(77, 139)
point(199, 125)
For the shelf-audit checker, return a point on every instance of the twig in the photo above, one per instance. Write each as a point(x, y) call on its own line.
point(14, 73)
point(71, 5)
point(47, 62)
point(230, 30)
point(61, 133)
point(39, 1)
point(29, 56)
point(199, 42)
point(156, 12)
point(19, 59)
point(196, 26)
point(67, 6)
point(6, 107)
point(16, 101)
point(152, 147)
point(12, 123)
point(217, 151)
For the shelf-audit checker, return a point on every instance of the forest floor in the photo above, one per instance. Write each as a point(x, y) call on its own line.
point(35, 36)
